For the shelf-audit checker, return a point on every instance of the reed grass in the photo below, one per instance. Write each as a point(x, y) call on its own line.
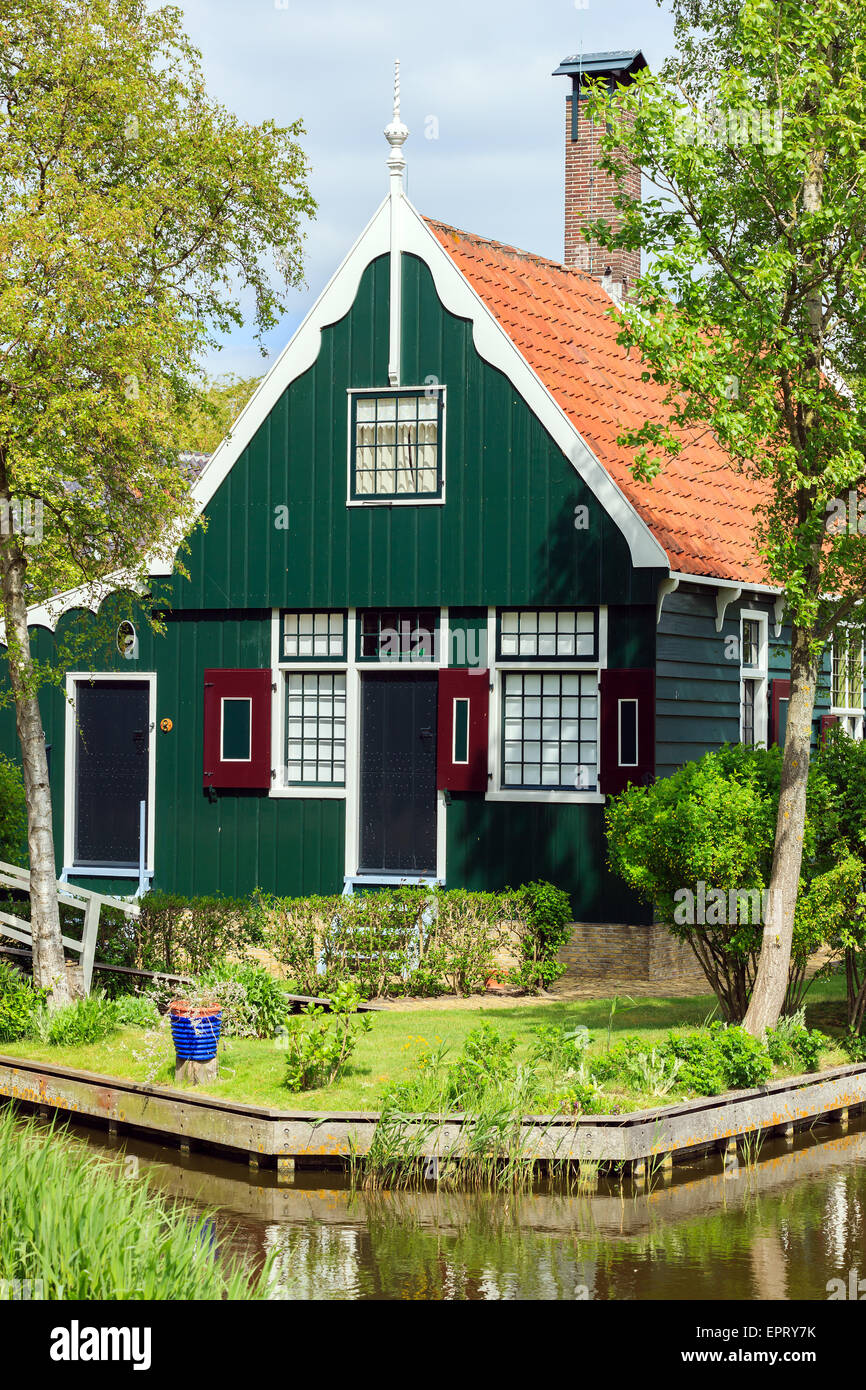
point(75, 1227)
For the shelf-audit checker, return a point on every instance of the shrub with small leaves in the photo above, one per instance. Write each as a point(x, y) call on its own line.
point(20, 1001)
point(258, 1007)
point(85, 1021)
point(135, 1011)
point(319, 1045)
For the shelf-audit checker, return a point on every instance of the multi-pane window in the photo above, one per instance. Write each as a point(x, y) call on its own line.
point(397, 445)
point(848, 668)
point(550, 730)
point(314, 635)
point(847, 679)
point(753, 679)
point(397, 634)
point(316, 728)
point(533, 634)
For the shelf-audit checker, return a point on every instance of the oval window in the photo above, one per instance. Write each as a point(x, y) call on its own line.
point(127, 641)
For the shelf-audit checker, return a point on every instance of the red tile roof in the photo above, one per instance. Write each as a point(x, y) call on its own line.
point(700, 508)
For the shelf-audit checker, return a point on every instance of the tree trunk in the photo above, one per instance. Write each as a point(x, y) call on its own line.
point(771, 983)
point(49, 968)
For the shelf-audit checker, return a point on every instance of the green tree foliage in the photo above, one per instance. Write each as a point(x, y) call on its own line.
point(136, 216)
point(712, 823)
point(13, 814)
point(752, 313)
point(220, 403)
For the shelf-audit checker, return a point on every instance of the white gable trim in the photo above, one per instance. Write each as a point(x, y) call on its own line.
point(297, 357)
point(492, 344)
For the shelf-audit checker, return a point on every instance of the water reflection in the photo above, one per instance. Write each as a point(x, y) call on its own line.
point(779, 1229)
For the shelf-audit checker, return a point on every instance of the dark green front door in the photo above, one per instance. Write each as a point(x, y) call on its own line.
point(398, 773)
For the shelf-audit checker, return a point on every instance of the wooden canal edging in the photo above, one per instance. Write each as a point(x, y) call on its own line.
point(668, 1133)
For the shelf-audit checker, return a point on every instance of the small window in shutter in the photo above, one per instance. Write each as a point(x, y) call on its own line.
point(464, 698)
point(627, 729)
point(237, 729)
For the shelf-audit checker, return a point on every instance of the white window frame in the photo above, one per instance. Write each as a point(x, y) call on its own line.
point(403, 501)
point(852, 718)
point(238, 700)
point(312, 787)
point(497, 791)
point(70, 771)
point(353, 670)
point(758, 675)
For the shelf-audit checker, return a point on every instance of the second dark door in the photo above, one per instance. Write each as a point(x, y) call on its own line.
point(398, 774)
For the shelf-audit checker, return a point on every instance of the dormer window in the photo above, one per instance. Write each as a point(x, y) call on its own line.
point(396, 445)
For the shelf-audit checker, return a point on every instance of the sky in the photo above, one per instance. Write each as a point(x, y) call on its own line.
point(485, 116)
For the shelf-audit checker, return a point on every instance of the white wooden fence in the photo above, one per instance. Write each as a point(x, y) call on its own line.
point(84, 899)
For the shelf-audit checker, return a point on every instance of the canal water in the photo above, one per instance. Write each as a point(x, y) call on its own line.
point(784, 1227)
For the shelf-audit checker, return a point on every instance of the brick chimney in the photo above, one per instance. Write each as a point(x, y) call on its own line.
point(589, 190)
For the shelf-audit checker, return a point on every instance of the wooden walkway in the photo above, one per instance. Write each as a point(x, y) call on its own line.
point(643, 1138)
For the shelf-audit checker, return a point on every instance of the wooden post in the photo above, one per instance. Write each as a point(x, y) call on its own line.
point(88, 941)
point(75, 980)
point(195, 1072)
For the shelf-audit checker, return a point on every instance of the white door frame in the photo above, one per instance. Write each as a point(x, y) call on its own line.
point(73, 679)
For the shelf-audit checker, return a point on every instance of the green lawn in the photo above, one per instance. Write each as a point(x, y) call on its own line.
point(252, 1071)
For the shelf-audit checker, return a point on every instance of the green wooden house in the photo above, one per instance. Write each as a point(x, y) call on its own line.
point(433, 622)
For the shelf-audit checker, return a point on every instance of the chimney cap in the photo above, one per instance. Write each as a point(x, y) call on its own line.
point(627, 62)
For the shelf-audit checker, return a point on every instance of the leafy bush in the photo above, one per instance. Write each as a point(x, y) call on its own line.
point(179, 934)
point(85, 1021)
point(20, 1001)
point(416, 940)
point(719, 1058)
point(259, 1007)
point(135, 1010)
point(487, 1061)
point(549, 919)
point(13, 813)
point(319, 1045)
point(745, 1059)
point(562, 1048)
point(713, 822)
point(791, 1042)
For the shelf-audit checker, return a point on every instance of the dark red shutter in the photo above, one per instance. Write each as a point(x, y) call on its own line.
point(464, 700)
point(253, 771)
point(778, 718)
point(827, 722)
point(618, 687)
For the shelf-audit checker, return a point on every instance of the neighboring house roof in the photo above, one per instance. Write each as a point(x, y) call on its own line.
point(700, 507)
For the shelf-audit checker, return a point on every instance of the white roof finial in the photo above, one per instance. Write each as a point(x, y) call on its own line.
point(396, 133)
